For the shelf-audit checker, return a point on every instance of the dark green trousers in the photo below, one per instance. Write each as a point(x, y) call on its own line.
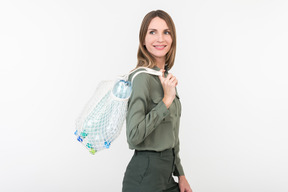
point(150, 171)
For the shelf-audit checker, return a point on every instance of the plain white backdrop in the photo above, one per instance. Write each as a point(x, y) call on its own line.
point(232, 68)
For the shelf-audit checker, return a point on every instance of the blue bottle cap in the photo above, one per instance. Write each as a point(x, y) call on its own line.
point(80, 139)
point(89, 145)
point(107, 144)
point(83, 134)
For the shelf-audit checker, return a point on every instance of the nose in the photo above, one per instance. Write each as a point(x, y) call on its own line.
point(160, 37)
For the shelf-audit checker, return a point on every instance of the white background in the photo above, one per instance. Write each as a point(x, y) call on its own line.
point(232, 69)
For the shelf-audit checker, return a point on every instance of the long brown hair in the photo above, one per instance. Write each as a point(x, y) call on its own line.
point(145, 59)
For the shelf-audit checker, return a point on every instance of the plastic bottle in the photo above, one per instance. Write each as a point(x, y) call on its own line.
point(122, 89)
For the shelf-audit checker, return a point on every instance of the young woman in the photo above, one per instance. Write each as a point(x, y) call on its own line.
point(154, 111)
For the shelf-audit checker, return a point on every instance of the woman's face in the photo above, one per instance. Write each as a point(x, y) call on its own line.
point(158, 39)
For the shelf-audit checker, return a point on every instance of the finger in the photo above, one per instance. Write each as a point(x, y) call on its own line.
point(169, 76)
point(162, 70)
point(175, 82)
point(161, 78)
point(173, 79)
point(164, 79)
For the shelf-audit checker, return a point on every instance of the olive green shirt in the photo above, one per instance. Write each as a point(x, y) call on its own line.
point(149, 124)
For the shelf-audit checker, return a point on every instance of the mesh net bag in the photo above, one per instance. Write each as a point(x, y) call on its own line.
point(102, 119)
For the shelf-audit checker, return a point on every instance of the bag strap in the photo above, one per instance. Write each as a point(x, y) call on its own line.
point(147, 70)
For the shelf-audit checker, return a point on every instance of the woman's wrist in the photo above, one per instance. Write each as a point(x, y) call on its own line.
point(167, 102)
point(181, 177)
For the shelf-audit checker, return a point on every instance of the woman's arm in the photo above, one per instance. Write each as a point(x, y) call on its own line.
point(140, 123)
point(179, 169)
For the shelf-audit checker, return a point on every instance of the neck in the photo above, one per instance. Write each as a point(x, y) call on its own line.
point(160, 63)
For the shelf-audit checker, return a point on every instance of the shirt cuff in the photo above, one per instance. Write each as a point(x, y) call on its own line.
point(162, 110)
point(178, 170)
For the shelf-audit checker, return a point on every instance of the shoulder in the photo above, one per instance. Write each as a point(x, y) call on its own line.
point(140, 86)
point(139, 78)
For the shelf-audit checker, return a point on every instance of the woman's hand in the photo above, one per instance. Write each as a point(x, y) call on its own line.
point(184, 185)
point(169, 83)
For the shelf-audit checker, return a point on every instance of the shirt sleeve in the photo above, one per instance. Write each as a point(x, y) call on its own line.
point(178, 169)
point(139, 121)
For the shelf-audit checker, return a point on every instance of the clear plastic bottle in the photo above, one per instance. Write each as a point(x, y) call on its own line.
point(122, 89)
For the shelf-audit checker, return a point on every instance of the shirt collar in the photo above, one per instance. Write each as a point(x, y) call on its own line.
point(158, 69)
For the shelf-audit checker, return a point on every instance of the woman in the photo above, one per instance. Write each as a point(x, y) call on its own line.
point(154, 110)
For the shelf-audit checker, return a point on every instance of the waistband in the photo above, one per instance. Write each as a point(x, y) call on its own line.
point(168, 152)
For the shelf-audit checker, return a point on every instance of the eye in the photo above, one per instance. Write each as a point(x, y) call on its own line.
point(152, 32)
point(167, 33)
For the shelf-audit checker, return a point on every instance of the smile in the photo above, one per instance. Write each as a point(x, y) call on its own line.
point(159, 47)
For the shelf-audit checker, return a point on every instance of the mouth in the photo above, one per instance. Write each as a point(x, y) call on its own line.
point(159, 47)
